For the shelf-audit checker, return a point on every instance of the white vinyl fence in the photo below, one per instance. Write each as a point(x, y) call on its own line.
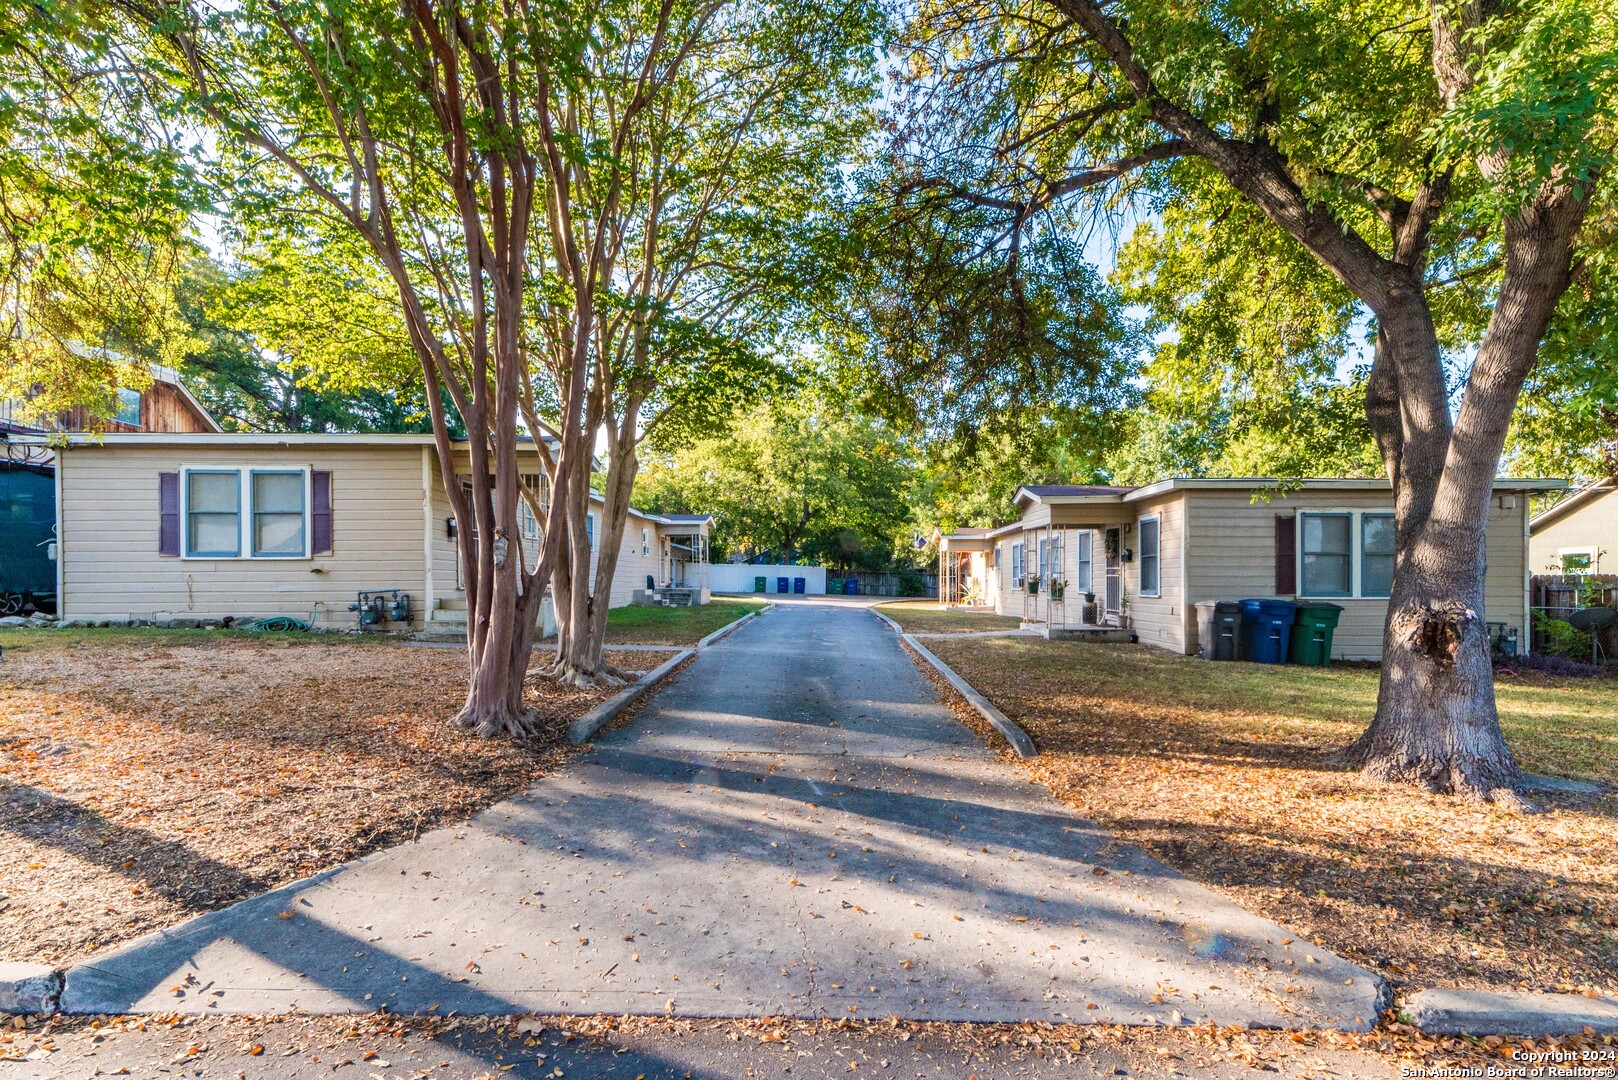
point(738, 577)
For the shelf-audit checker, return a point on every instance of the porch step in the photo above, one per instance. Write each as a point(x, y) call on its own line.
point(450, 605)
point(449, 616)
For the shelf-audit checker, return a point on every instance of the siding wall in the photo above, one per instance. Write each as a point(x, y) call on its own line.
point(628, 575)
point(109, 522)
point(1159, 620)
point(1591, 525)
point(1233, 558)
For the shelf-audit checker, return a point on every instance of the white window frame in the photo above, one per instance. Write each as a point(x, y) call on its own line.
point(1588, 552)
point(244, 511)
point(645, 541)
point(1086, 564)
point(1017, 566)
point(1157, 556)
point(590, 530)
point(1044, 560)
point(1359, 555)
point(1356, 550)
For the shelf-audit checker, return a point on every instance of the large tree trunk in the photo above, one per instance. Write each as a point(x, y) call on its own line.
point(1436, 723)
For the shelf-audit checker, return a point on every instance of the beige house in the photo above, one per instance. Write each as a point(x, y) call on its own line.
point(1579, 535)
point(205, 526)
point(1132, 563)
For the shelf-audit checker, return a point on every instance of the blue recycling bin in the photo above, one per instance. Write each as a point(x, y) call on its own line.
point(852, 586)
point(1267, 630)
point(783, 585)
point(797, 584)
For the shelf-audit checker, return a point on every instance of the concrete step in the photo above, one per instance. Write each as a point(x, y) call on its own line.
point(449, 605)
point(451, 617)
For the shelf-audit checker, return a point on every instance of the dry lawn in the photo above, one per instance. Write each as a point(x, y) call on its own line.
point(926, 617)
point(1223, 771)
point(147, 776)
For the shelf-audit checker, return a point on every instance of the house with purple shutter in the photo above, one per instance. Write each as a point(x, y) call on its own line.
point(208, 526)
point(1131, 563)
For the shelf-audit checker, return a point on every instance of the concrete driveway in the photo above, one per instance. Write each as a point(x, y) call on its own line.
point(794, 826)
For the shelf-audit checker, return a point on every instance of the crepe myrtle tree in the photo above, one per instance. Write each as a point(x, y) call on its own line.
point(701, 148)
point(1448, 164)
point(410, 130)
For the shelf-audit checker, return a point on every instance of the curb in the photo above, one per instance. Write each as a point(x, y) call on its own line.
point(1021, 744)
point(732, 627)
point(895, 627)
point(30, 988)
point(580, 730)
point(1515, 1013)
point(586, 726)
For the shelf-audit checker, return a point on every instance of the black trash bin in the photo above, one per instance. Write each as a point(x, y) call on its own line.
point(1219, 629)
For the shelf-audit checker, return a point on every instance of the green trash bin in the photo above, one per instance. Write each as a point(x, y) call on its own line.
point(759, 584)
point(1312, 632)
point(834, 586)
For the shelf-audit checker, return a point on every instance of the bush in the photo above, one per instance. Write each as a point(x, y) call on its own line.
point(1562, 638)
point(1547, 664)
point(911, 583)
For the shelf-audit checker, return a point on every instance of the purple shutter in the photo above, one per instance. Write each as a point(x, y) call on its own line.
point(320, 513)
point(1286, 555)
point(168, 510)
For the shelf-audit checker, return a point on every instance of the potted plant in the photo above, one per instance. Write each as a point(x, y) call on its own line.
point(1033, 584)
point(1058, 589)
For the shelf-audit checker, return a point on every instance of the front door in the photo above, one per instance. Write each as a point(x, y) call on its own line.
point(1115, 579)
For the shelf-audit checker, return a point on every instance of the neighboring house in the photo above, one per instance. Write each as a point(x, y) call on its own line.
point(166, 406)
point(966, 571)
point(204, 526)
point(1579, 535)
point(27, 477)
point(1135, 561)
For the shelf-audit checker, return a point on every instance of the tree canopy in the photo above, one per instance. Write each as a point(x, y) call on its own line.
point(800, 478)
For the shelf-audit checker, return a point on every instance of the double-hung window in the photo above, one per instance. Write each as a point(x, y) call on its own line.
point(213, 513)
point(1376, 554)
point(997, 548)
point(1083, 584)
point(246, 513)
point(590, 531)
point(280, 508)
point(1345, 553)
point(646, 541)
point(1150, 557)
point(1328, 554)
point(1016, 566)
point(1044, 560)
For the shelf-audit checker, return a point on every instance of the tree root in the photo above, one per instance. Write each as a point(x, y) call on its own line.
point(1458, 778)
point(489, 724)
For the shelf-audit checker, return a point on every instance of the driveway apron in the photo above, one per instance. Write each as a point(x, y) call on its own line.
point(796, 825)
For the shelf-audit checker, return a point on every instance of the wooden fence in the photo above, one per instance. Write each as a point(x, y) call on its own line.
point(1559, 595)
point(886, 584)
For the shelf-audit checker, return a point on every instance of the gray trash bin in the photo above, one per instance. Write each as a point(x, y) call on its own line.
point(1219, 629)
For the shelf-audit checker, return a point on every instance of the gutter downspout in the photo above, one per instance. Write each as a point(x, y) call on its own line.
point(428, 576)
point(61, 548)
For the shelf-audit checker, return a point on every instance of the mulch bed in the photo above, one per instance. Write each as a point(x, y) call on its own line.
point(145, 780)
point(1426, 890)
